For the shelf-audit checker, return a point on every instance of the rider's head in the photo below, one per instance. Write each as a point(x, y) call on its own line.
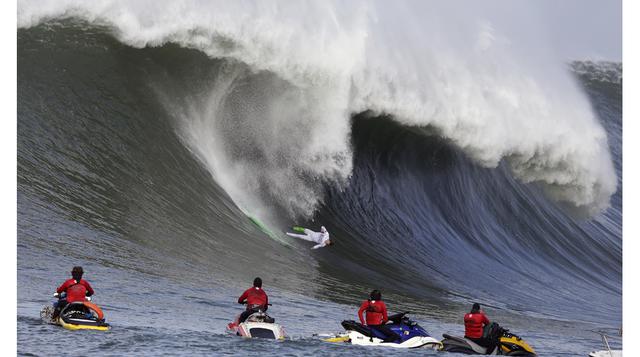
point(257, 282)
point(329, 242)
point(76, 273)
point(375, 295)
point(475, 308)
point(323, 230)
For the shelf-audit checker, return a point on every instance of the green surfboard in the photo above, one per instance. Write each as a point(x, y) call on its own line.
point(263, 227)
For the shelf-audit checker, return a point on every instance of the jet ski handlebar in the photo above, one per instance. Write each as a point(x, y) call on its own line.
point(64, 295)
point(397, 317)
point(244, 303)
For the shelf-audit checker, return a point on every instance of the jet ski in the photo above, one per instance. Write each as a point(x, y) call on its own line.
point(80, 315)
point(608, 352)
point(257, 325)
point(507, 344)
point(411, 334)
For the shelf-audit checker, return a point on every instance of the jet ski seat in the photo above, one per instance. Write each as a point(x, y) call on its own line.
point(260, 317)
point(351, 325)
point(465, 341)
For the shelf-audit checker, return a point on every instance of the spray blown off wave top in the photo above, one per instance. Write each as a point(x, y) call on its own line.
point(472, 84)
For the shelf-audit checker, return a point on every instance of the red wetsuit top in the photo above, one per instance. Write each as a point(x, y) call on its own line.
point(76, 291)
point(376, 312)
point(254, 296)
point(473, 324)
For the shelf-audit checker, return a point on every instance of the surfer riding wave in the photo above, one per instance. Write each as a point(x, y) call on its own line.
point(321, 238)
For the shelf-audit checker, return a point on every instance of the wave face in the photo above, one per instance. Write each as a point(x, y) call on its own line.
point(447, 168)
point(455, 71)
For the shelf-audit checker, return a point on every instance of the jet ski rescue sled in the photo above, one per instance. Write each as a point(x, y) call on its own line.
point(608, 352)
point(506, 344)
point(83, 315)
point(411, 334)
point(257, 325)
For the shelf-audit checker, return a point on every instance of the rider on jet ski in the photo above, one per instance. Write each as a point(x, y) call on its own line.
point(474, 323)
point(376, 312)
point(255, 298)
point(76, 288)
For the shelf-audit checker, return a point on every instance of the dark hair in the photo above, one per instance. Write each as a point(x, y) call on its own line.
point(257, 282)
point(76, 273)
point(375, 295)
point(475, 308)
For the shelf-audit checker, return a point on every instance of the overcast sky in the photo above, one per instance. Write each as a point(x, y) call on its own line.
point(573, 29)
point(584, 29)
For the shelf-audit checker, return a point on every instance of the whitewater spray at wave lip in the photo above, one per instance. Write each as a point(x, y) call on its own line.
point(449, 66)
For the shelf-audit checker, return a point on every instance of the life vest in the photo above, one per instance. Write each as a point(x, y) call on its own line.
point(474, 323)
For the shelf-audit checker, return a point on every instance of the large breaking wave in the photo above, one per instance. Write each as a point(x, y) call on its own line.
point(453, 71)
point(414, 137)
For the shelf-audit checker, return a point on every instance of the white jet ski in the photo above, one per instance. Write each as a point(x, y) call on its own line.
point(257, 325)
point(411, 334)
point(608, 352)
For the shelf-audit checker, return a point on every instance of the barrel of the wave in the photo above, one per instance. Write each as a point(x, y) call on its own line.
point(81, 315)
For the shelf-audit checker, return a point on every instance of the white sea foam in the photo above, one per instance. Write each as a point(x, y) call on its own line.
point(469, 70)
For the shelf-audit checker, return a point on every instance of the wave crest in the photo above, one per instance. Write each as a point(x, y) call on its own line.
point(489, 94)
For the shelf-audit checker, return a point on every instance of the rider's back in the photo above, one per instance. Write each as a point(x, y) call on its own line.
point(76, 291)
point(474, 323)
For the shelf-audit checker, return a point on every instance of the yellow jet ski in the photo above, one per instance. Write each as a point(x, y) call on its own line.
point(83, 315)
point(506, 344)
